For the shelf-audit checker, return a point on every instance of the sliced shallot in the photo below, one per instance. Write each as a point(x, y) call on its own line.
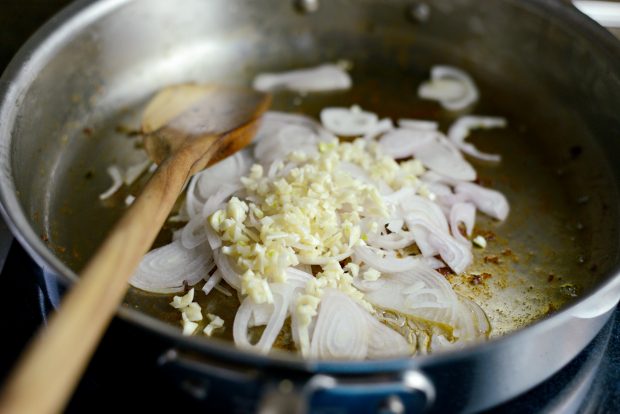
point(455, 254)
point(380, 128)
point(419, 124)
point(208, 182)
point(460, 130)
point(341, 330)
point(490, 202)
point(327, 77)
point(212, 282)
point(384, 342)
point(421, 293)
point(117, 181)
point(441, 156)
point(474, 323)
point(452, 87)
point(260, 314)
point(472, 326)
point(297, 280)
point(464, 213)
point(412, 205)
point(222, 290)
point(168, 268)
point(349, 122)
point(194, 232)
point(403, 142)
point(197, 230)
point(390, 241)
point(288, 139)
point(392, 264)
point(422, 207)
point(228, 270)
point(273, 121)
point(273, 326)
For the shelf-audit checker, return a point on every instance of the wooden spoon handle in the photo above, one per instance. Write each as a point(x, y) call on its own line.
point(50, 368)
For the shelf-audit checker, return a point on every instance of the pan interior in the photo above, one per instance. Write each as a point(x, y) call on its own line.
point(560, 239)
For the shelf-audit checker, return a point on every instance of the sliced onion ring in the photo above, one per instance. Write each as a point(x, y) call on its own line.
point(326, 77)
point(117, 181)
point(168, 268)
point(212, 282)
point(383, 264)
point(453, 88)
point(274, 325)
point(349, 122)
point(403, 142)
point(228, 270)
point(462, 213)
point(490, 202)
point(341, 330)
point(441, 156)
point(418, 124)
point(384, 342)
point(460, 130)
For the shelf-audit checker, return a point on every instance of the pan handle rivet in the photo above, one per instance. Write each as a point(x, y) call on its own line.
point(419, 12)
point(392, 405)
point(307, 6)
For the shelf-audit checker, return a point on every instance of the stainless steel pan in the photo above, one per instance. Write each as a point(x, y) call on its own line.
point(79, 84)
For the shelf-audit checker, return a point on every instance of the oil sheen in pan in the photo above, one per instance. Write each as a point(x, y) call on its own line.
point(532, 265)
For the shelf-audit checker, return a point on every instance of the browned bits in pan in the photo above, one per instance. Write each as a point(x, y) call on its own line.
point(128, 131)
point(446, 271)
point(475, 280)
point(479, 279)
point(492, 259)
point(485, 182)
point(487, 234)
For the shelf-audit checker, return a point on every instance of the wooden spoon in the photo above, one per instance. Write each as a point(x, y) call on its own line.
point(187, 127)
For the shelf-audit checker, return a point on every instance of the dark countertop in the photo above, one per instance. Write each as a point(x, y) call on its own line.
point(19, 19)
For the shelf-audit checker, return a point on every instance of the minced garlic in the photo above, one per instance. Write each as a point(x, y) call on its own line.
point(371, 275)
point(308, 210)
point(216, 323)
point(191, 311)
point(480, 242)
point(179, 302)
point(189, 327)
